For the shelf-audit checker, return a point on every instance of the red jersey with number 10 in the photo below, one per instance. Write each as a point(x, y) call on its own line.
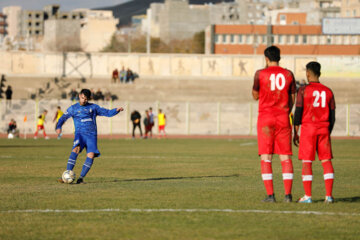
point(316, 100)
point(275, 86)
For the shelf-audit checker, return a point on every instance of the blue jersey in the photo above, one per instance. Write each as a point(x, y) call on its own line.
point(85, 117)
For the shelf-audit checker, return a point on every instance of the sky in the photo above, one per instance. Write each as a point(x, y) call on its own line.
point(65, 5)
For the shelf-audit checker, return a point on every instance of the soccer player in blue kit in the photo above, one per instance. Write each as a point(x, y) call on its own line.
point(84, 116)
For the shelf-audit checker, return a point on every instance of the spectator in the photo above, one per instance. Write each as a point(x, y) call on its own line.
point(12, 129)
point(73, 94)
point(107, 96)
point(129, 76)
point(122, 75)
point(8, 94)
point(136, 120)
point(40, 125)
point(99, 95)
point(115, 75)
point(92, 96)
point(147, 123)
point(151, 121)
point(57, 116)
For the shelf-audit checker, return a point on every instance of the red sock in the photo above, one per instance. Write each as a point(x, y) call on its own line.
point(288, 173)
point(328, 177)
point(307, 176)
point(266, 174)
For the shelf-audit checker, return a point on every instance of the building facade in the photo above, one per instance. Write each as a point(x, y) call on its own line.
point(292, 39)
point(350, 8)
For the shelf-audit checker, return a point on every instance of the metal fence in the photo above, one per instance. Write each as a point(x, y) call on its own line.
point(184, 118)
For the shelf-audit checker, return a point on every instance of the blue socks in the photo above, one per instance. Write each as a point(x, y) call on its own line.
point(72, 160)
point(86, 167)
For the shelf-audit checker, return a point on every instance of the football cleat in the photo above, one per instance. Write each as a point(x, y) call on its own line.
point(305, 199)
point(270, 198)
point(288, 198)
point(80, 181)
point(329, 199)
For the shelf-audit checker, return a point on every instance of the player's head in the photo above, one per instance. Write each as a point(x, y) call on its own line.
point(84, 96)
point(150, 109)
point(272, 53)
point(313, 68)
point(45, 112)
point(59, 107)
point(160, 110)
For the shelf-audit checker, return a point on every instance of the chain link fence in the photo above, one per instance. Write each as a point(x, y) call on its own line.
point(183, 118)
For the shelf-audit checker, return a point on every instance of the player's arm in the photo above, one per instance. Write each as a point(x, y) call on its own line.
point(63, 119)
point(292, 92)
point(55, 116)
point(298, 115)
point(256, 86)
point(332, 114)
point(108, 112)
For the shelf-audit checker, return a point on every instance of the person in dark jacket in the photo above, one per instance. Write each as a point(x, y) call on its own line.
point(136, 120)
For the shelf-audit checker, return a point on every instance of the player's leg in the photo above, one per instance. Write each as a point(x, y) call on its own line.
point(86, 167)
point(72, 158)
point(133, 131)
point(283, 147)
point(288, 175)
point(36, 132)
point(325, 156)
point(44, 133)
point(265, 135)
point(92, 152)
point(267, 176)
point(139, 125)
point(307, 150)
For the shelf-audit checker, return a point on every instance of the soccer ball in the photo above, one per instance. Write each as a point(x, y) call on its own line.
point(68, 176)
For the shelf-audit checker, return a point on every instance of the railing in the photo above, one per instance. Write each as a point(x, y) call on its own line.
point(187, 118)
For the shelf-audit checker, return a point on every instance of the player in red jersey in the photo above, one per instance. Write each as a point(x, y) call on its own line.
point(315, 111)
point(275, 89)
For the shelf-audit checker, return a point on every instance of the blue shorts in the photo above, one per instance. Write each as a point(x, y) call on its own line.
point(86, 141)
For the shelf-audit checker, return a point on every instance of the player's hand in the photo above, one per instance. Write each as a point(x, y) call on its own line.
point(296, 140)
point(119, 109)
point(58, 131)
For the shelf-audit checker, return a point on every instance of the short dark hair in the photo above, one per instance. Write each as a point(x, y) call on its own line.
point(272, 53)
point(86, 92)
point(314, 67)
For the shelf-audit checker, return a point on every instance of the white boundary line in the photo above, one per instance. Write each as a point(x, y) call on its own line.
point(136, 210)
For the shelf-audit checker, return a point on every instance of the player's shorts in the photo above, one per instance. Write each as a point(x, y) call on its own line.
point(314, 139)
point(40, 127)
point(86, 141)
point(274, 134)
point(162, 127)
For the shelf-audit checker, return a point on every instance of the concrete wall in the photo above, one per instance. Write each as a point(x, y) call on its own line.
point(167, 65)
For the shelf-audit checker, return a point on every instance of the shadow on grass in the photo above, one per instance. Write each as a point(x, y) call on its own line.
point(346, 200)
point(167, 178)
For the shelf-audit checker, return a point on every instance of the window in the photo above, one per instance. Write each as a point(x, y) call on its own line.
point(354, 13)
point(280, 39)
point(37, 15)
point(37, 23)
point(224, 38)
point(328, 39)
point(217, 38)
point(29, 15)
point(250, 15)
point(288, 39)
point(272, 39)
point(240, 40)
point(29, 24)
point(296, 39)
point(232, 38)
point(304, 39)
point(37, 32)
point(264, 41)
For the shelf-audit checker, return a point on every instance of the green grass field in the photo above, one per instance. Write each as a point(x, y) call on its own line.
point(199, 174)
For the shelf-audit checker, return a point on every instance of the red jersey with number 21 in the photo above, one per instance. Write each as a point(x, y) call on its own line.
point(316, 100)
point(275, 86)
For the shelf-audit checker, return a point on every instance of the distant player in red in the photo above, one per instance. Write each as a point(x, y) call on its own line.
point(275, 89)
point(315, 111)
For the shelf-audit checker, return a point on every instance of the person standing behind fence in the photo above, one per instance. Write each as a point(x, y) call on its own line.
point(115, 75)
point(275, 89)
point(147, 124)
point(41, 125)
point(57, 116)
point(8, 94)
point(162, 123)
point(136, 120)
point(151, 121)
